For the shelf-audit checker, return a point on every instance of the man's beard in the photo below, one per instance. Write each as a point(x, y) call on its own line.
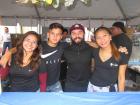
point(79, 40)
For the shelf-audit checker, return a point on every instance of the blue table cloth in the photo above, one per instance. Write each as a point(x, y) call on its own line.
point(37, 98)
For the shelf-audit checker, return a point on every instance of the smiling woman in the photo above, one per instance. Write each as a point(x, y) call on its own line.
point(27, 48)
point(27, 65)
point(110, 65)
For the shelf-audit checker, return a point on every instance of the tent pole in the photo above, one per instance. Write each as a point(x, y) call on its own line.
point(16, 25)
point(89, 25)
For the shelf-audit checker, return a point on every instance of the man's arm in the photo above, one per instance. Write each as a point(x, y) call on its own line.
point(92, 44)
point(7, 56)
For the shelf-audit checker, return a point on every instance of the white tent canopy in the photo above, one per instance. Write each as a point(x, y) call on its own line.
point(97, 13)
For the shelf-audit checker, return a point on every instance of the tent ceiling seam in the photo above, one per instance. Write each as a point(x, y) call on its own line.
point(64, 18)
point(121, 9)
point(37, 11)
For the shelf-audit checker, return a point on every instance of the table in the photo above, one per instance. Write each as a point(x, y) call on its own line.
point(134, 65)
point(135, 68)
point(37, 98)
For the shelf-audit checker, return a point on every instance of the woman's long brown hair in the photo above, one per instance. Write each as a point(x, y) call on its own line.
point(35, 58)
point(114, 49)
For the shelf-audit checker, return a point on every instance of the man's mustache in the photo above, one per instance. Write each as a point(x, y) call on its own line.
point(78, 38)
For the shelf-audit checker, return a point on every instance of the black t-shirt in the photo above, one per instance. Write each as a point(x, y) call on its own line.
point(78, 58)
point(52, 57)
point(106, 73)
point(123, 40)
point(23, 79)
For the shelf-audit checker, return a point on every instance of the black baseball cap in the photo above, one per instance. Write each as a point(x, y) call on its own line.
point(120, 25)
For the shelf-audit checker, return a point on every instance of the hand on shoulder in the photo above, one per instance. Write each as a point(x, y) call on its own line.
point(92, 44)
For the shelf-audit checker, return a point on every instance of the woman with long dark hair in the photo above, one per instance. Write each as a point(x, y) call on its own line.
point(28, 70)
point(110, 65)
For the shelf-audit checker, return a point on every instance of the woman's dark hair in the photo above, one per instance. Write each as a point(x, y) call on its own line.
point(56, 25)
point(114, 49)
point(35, 58)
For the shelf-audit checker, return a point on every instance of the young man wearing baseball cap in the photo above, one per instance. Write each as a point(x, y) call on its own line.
point(78, 56)
point(120, 38)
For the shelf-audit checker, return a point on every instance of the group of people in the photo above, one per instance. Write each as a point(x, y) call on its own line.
point(35, 65)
